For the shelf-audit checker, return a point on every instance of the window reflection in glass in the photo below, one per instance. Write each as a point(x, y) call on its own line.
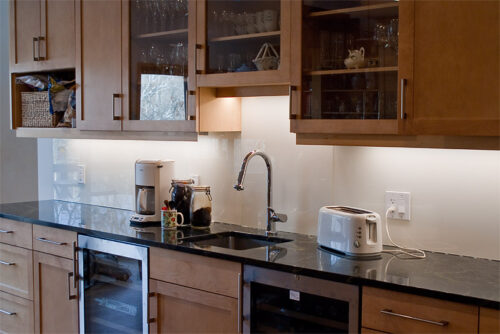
point(162, 97)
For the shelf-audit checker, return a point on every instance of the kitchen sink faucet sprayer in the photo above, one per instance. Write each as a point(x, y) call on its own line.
point(272, 217)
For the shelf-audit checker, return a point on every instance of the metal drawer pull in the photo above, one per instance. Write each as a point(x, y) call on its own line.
point(7, 312)
point(437, 323)
point(5, 231)
point(7, 263)
point(51, 242)
point(70, 296)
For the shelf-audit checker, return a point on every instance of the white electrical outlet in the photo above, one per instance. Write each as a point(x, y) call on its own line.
point(81, 174)
point(401, 201)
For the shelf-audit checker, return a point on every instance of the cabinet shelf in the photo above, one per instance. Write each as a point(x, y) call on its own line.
point(383, 7)
point(246, 36)
point(168, 33)
point(349, 71)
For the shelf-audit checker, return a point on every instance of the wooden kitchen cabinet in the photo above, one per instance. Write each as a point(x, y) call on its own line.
point(489, 320)
point(207, 289)
point(229, 35)
point(16, 314)
point(136, 70)
point(210, 312)
point(56, 301)
point(42, 35)
point(397, 312)
point(445, 94)
point(16, 271)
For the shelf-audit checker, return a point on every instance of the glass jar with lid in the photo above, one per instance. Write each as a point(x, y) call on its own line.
point(201, 207)
point(181, 197)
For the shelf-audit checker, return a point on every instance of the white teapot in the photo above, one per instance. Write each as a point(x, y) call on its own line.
point(356, 58)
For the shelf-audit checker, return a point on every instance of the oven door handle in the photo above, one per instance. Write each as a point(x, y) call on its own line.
point(70, 296)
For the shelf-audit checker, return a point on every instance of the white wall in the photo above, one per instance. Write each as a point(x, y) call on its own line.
point(455, 193)
point(18, 156)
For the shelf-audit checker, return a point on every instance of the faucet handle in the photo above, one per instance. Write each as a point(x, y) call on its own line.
point(278, 217)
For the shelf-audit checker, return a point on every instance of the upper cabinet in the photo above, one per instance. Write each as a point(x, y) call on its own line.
point(42, 35)
point(242, 43)
point(355, 60)
point(457, 68)
point(396, 73)
point(136, 66)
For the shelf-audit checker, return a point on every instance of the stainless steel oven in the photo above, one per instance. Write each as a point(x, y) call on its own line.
point(279, 302)
point(113, 286)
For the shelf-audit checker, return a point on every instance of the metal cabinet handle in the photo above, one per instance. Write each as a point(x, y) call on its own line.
point(7, 312)
point(35, 40)
point(6, 231)
point(7, 263)
point(196, 48)
point(115, 96)
point(151, 295)
point(51, 241)
point(403, 84)
point(75, 266)
point(239, 303)
point(290, 91)
point(41, 38)
point(70, 296)
point(437, 323)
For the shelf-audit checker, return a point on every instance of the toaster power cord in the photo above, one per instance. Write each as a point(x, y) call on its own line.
point(412, 252)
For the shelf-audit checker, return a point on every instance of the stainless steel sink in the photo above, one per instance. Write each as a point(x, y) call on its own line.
point(234, 240)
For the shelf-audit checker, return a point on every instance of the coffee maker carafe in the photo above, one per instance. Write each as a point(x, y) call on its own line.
point(152, 181)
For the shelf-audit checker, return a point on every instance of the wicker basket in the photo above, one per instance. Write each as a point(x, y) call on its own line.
point(35, 109)
point(267, 58)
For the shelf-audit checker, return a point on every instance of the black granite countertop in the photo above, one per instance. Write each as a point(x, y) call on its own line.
point(459, 278)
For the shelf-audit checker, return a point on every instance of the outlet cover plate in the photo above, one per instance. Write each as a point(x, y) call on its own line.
point(401, 200)
point(81, 174)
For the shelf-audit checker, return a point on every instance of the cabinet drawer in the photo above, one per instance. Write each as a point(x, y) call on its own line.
point(16, 314)
point(16, 233)
point(199, 272)
point(16, 271)
point(398, 312)
point(54, 241)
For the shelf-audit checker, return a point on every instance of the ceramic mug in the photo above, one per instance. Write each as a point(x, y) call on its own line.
point(169, 219)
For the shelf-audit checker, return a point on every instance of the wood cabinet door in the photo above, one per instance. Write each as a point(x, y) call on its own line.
point(24, 29)
point(100, 100)
point(56, 303)
point(225, 51)
point(178, 309)
point(489, 320)
point(57, 29)
point(456, 69)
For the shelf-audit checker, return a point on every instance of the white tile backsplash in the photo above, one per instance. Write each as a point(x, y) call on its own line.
point(455, 193)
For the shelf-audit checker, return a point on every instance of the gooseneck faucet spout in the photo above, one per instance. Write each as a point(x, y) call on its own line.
point(272, 217)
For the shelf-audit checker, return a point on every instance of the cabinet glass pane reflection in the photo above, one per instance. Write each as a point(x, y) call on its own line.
point(350, 59)
point(158, 59)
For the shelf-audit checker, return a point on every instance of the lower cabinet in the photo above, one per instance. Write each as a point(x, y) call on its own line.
point(16, 314)
point(208, 312)
point(193, 294)
point(396, 312)
point(489, 321)
point(56, 301)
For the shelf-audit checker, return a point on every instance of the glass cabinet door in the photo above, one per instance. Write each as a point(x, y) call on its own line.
point(250, 37)
point(158, 69)
point(350, 60)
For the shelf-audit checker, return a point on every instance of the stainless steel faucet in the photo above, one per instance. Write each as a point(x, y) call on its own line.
point(272, 217)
